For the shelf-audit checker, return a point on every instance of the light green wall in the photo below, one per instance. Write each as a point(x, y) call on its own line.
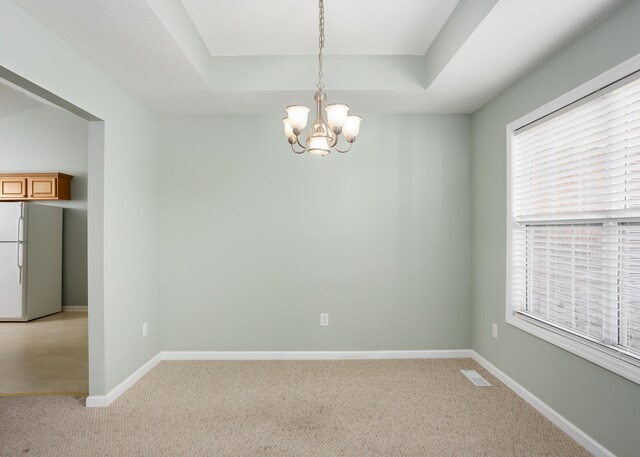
point(122, 194)
point(604, 405)
point(258, 242)
point(48, 139)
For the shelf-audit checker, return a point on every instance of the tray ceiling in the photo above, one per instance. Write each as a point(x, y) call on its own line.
point(199, 57)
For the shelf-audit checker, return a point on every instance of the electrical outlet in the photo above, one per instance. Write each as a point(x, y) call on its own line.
point(144, 330)
point(494, 331)
point(324, 319)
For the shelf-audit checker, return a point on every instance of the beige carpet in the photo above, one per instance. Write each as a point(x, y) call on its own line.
point(45, 355)
point(319, 408)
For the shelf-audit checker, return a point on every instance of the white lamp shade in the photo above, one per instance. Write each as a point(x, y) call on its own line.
point(288, 130)
point(337, 115)
point(318, 145)
point(351, 126)
point(298, 116)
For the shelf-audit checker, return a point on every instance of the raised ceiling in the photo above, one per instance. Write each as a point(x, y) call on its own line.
point(290, 27)
point(199, 57)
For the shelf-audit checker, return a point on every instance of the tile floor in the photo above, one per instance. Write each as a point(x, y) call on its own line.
point(46, 355)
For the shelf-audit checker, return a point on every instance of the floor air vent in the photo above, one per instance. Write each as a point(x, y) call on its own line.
point(476, 378)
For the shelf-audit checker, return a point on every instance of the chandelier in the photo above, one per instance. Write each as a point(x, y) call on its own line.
point(324, 134)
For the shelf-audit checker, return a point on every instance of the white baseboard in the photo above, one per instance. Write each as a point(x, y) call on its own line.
point(316, 355)
point(97, 401)
point(80, 309)
point(556, 418)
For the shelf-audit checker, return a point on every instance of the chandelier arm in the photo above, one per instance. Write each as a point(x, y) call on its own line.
point(341, 151)
point(300, 144)
point(298, 152)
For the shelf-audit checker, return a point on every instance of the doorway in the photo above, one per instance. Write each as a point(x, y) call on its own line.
point(40, 133)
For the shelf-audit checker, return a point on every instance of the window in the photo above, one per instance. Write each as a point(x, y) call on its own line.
point(574, 222)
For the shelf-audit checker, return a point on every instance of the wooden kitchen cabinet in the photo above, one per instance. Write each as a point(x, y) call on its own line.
point(35, 186)
point(13, 187)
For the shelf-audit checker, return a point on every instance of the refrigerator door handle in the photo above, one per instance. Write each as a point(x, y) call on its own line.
point(20, 252)
point(21, 228)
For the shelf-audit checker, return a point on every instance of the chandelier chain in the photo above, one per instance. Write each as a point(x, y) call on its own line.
point(321, 44)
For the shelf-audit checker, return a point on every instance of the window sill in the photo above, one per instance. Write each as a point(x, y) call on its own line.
point(616, 363)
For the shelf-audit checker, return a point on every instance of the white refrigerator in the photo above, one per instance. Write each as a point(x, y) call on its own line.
point(30, 261)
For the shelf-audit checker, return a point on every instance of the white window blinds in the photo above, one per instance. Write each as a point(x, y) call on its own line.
point(575, 218)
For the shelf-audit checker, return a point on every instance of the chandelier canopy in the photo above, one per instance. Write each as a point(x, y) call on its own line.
point(323, 136)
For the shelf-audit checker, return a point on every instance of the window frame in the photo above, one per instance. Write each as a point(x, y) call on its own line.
point(626, 366)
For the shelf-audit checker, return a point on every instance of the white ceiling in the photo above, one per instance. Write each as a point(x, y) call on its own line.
point(13, 101)
point(290, 27)
point(166, 63)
